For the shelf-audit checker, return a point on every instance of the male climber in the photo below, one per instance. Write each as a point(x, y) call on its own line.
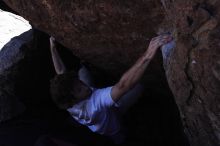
point(98, 108)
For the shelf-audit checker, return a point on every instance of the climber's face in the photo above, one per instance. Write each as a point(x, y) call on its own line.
point(80, 90)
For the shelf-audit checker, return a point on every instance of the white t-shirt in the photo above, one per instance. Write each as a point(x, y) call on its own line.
point(97, 112)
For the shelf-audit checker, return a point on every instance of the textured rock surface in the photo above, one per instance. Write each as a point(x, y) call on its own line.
point(193, 69)
point(112, 34)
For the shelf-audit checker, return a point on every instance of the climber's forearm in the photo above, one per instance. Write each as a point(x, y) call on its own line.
point(58, 63)
point(134, 74)
point(131, 77)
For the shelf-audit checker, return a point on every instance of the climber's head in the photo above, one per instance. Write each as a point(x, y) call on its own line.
point(67, 90)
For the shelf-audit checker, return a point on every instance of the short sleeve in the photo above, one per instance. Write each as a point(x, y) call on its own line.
point(102, 97)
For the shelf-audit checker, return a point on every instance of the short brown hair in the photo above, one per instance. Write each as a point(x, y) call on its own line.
point(60, 89)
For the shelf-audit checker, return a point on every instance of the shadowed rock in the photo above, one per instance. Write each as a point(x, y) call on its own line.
point(11, 56)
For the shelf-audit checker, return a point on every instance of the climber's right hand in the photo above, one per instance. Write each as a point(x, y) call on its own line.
point(160, 40)
point(156, 43)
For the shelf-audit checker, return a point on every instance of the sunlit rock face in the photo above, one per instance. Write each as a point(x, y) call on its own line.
point(10, 26)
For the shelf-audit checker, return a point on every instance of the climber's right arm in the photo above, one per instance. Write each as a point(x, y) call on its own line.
point(57, 61)
point(135, 73)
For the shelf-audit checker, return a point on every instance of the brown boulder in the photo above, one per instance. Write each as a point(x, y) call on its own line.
point(109, 34)
point(193, 69)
